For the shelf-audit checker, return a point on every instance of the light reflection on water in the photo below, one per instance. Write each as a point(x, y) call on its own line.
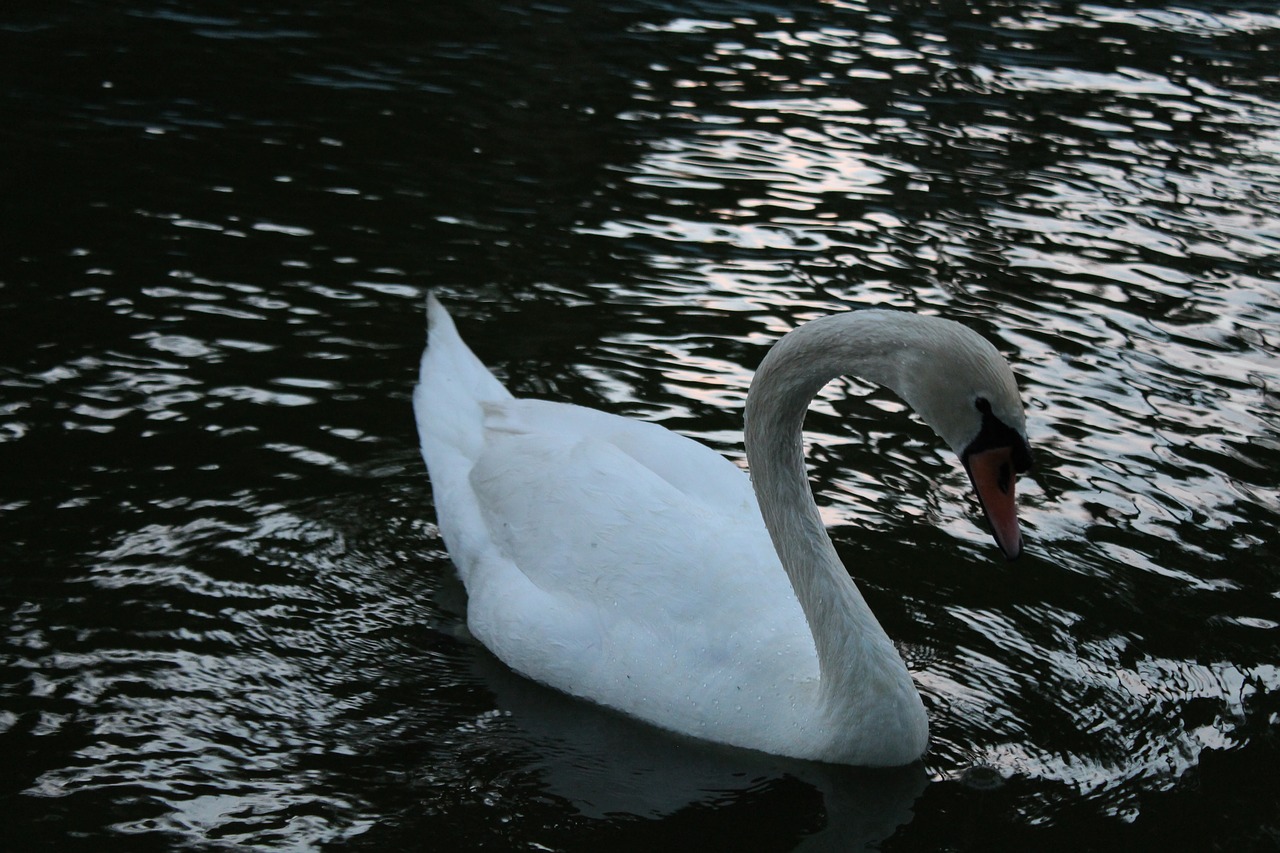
point(229, 617)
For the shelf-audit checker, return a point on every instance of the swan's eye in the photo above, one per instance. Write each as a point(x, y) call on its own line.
point(982, 405)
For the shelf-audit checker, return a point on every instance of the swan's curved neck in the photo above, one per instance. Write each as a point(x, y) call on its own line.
point(846, 634)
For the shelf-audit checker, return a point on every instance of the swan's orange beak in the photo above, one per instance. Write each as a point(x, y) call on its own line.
point(993, 475)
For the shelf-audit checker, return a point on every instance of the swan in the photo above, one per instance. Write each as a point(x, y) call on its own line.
point(617, 561)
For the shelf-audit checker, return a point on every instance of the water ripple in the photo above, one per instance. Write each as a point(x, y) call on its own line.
point(229, 620)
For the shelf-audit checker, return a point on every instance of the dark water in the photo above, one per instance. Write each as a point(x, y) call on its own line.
point(229, 621)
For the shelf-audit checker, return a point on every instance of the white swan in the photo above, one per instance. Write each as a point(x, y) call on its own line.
point(623, 563)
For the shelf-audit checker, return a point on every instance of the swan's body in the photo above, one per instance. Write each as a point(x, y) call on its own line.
point(626, 564)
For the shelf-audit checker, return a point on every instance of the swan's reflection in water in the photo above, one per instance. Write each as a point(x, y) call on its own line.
point(607, 766)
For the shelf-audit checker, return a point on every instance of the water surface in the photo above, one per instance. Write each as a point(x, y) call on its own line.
point(229, 618)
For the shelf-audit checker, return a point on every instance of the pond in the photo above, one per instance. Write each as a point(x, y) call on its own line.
point(230, 620)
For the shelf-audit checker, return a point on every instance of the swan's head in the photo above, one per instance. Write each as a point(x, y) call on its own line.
point(963, 388)
point(953, 377)
point(994, 459)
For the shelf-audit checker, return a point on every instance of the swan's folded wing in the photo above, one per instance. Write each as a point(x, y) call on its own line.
point(617, 510)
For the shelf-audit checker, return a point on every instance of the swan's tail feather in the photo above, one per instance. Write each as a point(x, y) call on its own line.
point(454, 391)
point(447, 356)
point(453, 388)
